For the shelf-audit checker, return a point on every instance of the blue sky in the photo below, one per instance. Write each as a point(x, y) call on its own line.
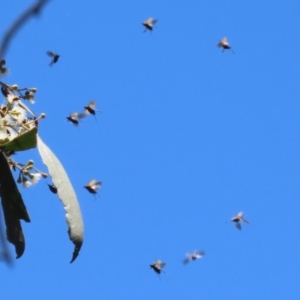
point(188, 137)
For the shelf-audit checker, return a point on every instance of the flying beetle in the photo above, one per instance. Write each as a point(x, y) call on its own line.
point(54, 57)
point(238, 219)
point(93, 186)
point(225, 45)
point(157, 267)
point(149, 24)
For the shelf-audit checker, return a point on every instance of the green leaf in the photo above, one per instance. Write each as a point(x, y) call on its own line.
point(13, 206)
point(66, 194)
point(23, 142)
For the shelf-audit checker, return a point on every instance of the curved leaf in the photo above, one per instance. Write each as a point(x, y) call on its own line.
point(66, 194)
point(13, 206)
point(23, 142)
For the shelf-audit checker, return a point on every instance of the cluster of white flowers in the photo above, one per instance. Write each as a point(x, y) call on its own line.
point(26, 176)
point(17, 119)
point(13, 116)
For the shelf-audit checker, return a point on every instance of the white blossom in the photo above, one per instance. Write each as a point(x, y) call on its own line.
point(18, 114)
point(26, 183)
point(11, 98)
point(35, 177)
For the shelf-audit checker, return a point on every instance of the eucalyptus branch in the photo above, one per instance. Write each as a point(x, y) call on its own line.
point(31, 11)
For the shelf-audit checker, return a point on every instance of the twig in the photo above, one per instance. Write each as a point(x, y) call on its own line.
point(23, 18)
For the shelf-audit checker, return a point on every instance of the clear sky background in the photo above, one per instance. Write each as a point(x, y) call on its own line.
point(188, 137)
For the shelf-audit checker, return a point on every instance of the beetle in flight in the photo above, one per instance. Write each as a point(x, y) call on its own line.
point(238, 219)
point(52, 188)
point(93, 186)
point(149, 24)
point(224, 44)
point(157, 266)
point(193, 256)
point(54, 57)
